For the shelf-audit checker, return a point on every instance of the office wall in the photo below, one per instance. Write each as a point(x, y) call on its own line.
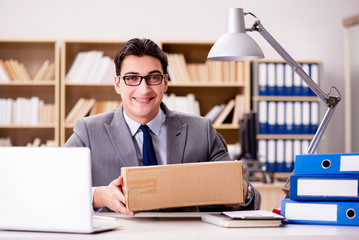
point(307, 29)
point(352, 88)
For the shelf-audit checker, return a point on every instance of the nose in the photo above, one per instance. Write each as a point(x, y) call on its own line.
point(144, 85)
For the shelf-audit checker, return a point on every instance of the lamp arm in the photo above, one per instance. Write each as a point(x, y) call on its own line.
point(330, 101)
point(321, 129)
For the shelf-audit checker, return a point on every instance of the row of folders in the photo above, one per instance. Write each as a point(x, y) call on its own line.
point(278, 155)
point(278, 79)
point(276, 117)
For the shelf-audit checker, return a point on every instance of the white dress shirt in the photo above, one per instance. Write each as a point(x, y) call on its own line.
point(158, 133)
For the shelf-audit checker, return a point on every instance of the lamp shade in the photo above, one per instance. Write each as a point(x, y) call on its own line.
point(235, 45)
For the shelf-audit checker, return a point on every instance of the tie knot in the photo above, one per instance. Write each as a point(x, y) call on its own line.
point(144, 128)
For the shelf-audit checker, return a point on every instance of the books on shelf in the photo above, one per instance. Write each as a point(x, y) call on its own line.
point(198, 72)
point(215, 111)
point(38, 143)
point(186, 104)
point(177, 68)
point(45, 72)
point(91, 67)
point(4, 74)
point(12, 70)
point(253, 218)
point(26, 111)
point(35, 143)
point(228, 113)
point(209, 72)
point(239, 108)
point(87, 107)
point(5, 142)
point(225, 112)
point(81, 108)
point(104, 106)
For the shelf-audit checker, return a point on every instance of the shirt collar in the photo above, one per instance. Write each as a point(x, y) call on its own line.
point(154, 124)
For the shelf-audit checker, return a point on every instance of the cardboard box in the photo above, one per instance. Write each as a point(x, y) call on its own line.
point(182, 185)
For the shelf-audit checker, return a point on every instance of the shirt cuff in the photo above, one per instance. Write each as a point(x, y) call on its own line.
point(93, 189)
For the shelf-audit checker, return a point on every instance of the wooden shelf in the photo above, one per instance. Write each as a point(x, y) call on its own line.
point(208, 85)
point(227, 126)
point(286, 98)
point(71, 92)
point(285, 136)
point(32, 53)
point(208, 94)
point(42, 125)
point(29, 83)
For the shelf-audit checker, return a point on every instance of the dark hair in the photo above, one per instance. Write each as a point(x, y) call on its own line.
point(140, 47)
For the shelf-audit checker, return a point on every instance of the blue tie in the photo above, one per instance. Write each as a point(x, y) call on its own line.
point(148, 152)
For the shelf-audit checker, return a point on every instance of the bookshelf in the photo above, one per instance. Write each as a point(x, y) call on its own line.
point(208, 94)
point(32, 54)
point(213, 90)
point(288, 111)
point(71, 92)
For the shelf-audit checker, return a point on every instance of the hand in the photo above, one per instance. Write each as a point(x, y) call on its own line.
point(245, 194)
point(111, 196)
point(245, 188)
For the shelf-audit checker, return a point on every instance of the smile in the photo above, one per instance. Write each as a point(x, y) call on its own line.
point(143, 100)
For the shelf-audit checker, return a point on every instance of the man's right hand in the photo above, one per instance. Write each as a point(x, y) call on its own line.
point(111, 196)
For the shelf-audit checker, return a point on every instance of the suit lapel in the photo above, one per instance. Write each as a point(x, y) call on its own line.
point(122, 140)
point(176, 137)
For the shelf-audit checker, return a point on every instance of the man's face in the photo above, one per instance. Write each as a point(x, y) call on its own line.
point(141, 103)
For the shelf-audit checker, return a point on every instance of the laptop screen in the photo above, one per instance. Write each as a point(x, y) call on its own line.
point(45, 189)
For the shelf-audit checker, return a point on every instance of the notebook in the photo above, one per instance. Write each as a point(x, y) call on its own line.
point(251, 218)
point(47, 189)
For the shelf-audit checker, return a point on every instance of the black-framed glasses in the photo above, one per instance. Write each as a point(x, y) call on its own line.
point(135, 80)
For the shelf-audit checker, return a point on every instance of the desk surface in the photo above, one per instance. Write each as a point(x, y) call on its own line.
point(162, 226)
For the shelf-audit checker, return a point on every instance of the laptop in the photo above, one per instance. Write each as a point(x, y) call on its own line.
point(47, 189)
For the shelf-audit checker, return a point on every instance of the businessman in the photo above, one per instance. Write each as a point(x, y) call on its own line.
point(116, 138)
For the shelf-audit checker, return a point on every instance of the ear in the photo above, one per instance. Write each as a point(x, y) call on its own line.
point(117, 85)
point(165, 86)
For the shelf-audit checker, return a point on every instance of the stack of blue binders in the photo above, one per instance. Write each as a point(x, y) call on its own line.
point(324, 190)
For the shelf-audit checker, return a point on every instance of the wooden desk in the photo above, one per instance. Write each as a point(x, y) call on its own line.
point(157, 228)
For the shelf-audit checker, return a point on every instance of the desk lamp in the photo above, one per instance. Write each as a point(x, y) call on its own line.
point(236, 45)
